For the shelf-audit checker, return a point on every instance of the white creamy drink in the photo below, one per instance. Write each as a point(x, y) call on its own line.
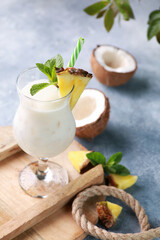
point(43, 125)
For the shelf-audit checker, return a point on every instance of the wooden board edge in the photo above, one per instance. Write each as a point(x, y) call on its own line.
point(81, 237)
point(10, 149)
point(40, 210)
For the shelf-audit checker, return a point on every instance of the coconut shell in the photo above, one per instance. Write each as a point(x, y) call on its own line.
point(107, 77)
point(93, 129)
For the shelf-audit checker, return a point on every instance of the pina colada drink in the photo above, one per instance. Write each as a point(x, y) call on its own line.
point(43, 125)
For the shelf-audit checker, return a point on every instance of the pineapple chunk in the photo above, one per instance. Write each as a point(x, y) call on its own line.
point(69, 77)
point(79, 160)
point(108, 213)
point(115, 209)
point(122, 182)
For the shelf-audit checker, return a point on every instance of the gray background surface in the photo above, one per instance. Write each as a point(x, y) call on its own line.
point(33, 31)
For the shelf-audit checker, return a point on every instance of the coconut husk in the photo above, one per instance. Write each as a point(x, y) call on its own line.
point(107, 77)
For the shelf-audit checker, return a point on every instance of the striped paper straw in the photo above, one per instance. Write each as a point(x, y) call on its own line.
point(76, 52)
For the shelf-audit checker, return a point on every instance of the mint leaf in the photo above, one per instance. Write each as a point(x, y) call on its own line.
point(49, 68)
point(153, 29)
point(96, 7)
point(44, 69)
point(117, 169)
point(96, 158)
point(109, 170)
point(114, 159)
point(59, 61)
point(111, 166)
point(50, 63)
point(109, 19)
point(120, 170)
point(54, 76)
point(37, 87)
point(154, 15)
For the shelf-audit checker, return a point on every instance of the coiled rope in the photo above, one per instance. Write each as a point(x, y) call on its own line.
point(88, 227)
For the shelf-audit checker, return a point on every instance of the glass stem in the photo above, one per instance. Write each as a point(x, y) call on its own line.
point(42, 168)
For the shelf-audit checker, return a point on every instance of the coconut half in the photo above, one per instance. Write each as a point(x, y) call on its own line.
point(91, 113)
point(112, 66)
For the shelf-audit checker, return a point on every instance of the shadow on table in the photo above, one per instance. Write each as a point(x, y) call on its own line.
point(127, 222)
point(113, 138)
point(135, 86)
point(154, 223)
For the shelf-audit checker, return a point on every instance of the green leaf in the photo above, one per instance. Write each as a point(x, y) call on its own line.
point(126, 6)
point(153, 28)
point(114, 159)
point(59, 61)
point(158, 37)
point(111, 166)
point(41, 67)
point(96, 158)
point(96, 7)
point(121, 170)
point(54, 76)
point(109, 169)
point(37, 87)
point(154, 15)
point(50, 63)
point(44, 69)
point(100, 14)
point(125, 9)
point(125, 15)
point(49, 67)
point(119, 18)
point(109, 19)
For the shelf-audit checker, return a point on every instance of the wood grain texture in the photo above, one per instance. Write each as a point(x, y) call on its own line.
point(8, 145)
point(13, 201)
point(48, 206)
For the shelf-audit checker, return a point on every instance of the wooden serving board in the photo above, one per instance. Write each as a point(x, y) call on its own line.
point(13, 201)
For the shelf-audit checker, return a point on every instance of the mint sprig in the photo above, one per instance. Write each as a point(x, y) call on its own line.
point(36, 87)
point(111, 166)
point(49, 69)
point(96, 158)
point(114, 159)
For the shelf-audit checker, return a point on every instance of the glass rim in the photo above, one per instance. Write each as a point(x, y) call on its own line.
point(19, 90)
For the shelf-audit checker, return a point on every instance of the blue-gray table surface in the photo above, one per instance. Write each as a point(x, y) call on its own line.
point(33, 31)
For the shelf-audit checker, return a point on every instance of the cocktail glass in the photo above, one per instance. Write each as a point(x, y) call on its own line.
point(43, 129)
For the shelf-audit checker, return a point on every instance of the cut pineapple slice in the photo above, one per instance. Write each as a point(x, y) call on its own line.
point(79, 160)
point(108, 213)
point(115, 209)
point(122, 182)
point(69, 77)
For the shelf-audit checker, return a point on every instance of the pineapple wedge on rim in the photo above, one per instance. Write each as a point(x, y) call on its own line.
point(69, 77)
